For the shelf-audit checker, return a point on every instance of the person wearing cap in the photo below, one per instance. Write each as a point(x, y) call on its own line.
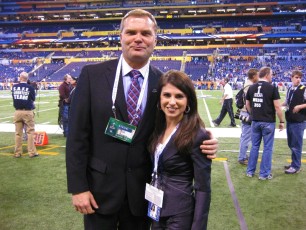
point(23, 100)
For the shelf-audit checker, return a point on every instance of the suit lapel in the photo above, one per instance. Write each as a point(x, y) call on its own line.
point(120, 104)
point(121, 101)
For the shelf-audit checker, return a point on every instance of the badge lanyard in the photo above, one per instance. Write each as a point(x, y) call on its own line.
point(159, 150)
point(116, 82)
point(153, 194)
point(290, 99)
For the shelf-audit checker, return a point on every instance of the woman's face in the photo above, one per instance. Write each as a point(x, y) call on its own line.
point(173, 102)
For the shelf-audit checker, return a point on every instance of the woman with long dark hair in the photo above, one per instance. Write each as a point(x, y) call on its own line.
point(181, 172)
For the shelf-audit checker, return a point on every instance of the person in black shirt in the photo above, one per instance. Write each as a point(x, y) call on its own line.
point(263, 102)
point(23, 99)
point(295, 118)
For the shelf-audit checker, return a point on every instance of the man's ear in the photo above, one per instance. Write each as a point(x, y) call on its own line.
point(155, 41)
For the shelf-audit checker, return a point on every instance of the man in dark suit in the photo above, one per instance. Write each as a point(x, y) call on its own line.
point(107, 175)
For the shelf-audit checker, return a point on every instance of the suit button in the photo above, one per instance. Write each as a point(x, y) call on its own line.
point(129, 170)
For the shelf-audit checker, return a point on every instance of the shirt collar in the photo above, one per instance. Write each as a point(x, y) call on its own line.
point(126, 69)
point(295, 87)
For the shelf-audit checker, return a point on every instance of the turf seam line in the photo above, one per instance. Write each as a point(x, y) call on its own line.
point(243, 225)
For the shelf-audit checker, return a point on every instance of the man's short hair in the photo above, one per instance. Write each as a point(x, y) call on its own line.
point(24, 76)
point(264, 71)
point(252, 73)
point(139, 13)
point(297, 72)
point(66, 76)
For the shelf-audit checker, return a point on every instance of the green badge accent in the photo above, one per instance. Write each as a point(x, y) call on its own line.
point(120, 130)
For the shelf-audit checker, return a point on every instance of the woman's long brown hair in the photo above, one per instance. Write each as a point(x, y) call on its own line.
point(191, 121)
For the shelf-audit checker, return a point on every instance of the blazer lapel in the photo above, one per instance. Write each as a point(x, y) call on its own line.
point(169, 151)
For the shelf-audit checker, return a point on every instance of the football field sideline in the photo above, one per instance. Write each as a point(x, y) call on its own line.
point(217, 132)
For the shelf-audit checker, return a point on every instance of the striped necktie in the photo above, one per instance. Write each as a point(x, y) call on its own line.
point(132, 98)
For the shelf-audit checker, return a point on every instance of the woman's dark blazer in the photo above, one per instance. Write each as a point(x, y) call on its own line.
point(111, 169)
point(185, 180)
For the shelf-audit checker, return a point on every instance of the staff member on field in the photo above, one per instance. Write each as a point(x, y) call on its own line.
point(23, 98)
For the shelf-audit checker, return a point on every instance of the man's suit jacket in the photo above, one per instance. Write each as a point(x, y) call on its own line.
point(111, 169)
point(176, 174)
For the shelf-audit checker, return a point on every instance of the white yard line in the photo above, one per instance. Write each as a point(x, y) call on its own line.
point(3, 118)
point(207, 111)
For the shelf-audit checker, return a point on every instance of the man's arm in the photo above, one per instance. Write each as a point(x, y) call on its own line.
point(225, 94)
point(248, 106)
point(279, 113)
point(284, 103)
point(61, 91)
point(223, 98)
point(77, 147)
point(32, 94)
point(298, 108)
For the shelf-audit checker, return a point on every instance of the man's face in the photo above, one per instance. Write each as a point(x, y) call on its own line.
point(68, 79)
point(138, 40)
point(296, 80)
